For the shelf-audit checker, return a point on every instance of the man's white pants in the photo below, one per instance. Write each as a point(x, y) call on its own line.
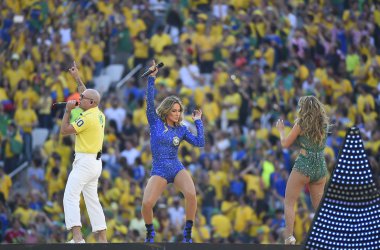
point(84, 178)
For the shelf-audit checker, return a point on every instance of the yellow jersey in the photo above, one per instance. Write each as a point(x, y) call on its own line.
point(90, 131)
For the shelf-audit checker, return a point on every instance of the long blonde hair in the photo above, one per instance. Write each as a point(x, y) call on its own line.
point(312, 119)
point(166, 106)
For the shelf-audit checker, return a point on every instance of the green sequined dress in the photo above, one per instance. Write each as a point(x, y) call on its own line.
point(313, 164)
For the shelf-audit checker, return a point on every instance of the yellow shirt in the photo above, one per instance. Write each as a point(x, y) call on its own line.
point(243, 216)
point(169, 60)
point(303, 72)
point(139, 117)
point(229, 209)
point(81, 28)
point(212, 111)
point(30, 94)
point(141, 49)
point(55, 185)
point(228, 42)
point(5, 185)
point(341, 88)
point(90, 131)
point(28, 66)
point(200, 233)
point(221, 225)
point(96, 51)
point(14, 76)
point(269, 56)
point(135, 26)
point(312, 32)
point(320, 74)
point(158, 42)
point(3, 95)
point(106, 8)
point(239, 4)
point(376, 16)
point(13, 5)
point(362, 100)
point(221, 79)
point(25, 215)
point(216, 32)
point(219, 180)
point(235, 101)
point(254, 183)
point(25, 118)
point(206, 47)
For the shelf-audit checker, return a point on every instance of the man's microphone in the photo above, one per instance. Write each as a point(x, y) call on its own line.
point(160, 65)
point(62, 104)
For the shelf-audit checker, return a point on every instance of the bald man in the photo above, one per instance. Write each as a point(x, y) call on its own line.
point(87, 167)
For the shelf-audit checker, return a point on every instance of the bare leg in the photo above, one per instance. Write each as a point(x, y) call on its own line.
point(153, 190)
point(185, 184)
point(295, 184)
point(101, 236)
point(77, 234)
point(316, 191)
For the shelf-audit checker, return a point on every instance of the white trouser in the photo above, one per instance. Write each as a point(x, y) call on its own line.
point(84, 178)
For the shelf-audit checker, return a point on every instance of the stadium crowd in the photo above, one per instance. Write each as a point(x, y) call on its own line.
point(245, 63)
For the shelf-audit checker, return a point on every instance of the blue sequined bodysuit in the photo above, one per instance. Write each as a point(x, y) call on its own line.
point(164, 140)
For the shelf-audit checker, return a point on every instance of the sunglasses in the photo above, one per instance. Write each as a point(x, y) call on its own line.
point(83, 97)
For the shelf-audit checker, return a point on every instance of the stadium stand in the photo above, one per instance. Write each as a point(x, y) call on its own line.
point(244, 62)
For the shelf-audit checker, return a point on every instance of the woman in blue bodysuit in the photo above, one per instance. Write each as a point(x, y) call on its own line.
point(166, 133)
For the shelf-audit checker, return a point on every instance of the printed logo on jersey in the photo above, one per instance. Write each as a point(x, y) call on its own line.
point(175, 141)
point(101, 120)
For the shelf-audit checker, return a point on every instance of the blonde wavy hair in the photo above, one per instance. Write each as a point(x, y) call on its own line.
point(166, 106)
point(312, 118)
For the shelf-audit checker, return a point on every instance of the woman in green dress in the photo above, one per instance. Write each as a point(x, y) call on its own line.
point(310, 133)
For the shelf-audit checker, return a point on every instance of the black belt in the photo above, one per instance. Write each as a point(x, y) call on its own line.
point(98, 155)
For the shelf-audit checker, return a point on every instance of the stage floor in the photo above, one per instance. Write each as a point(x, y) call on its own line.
point(155, 246)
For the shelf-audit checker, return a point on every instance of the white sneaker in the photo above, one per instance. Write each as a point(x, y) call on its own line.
point(72, 241)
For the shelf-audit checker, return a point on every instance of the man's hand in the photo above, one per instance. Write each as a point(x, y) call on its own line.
point(70, 105)
point(74, 71)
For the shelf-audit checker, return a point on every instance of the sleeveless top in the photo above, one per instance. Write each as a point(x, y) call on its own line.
point(312, 161)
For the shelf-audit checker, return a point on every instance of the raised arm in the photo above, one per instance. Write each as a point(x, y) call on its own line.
point(150, 109)
point(199, 140)
point(75, 74)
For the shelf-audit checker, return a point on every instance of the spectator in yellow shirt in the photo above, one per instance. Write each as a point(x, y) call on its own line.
point(11, 148)
point(15, 73)
point(5, 183)
point(96, 52)
point(253, 180)
point(160, 40)
point(136, 24)
point(244, 214)
point(218, 179)
point(221, 225)
point(25, 92)
point(26, 118)
point(141, 49)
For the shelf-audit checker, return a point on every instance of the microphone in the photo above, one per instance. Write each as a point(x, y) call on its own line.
point(160, 65)
point(62, 104)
